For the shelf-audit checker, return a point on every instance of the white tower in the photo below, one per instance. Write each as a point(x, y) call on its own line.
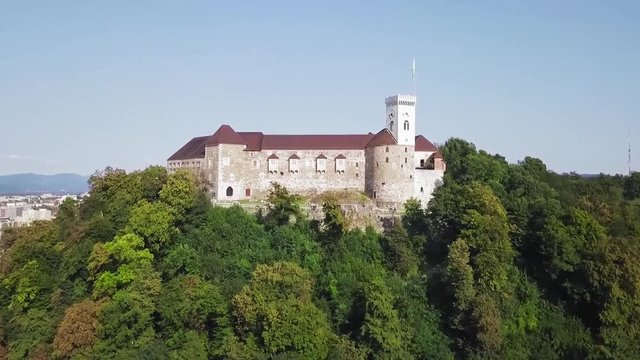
point(401, 118)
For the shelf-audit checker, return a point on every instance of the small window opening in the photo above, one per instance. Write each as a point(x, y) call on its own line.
point(386, 160)
point(386, 149)
point(229, 191)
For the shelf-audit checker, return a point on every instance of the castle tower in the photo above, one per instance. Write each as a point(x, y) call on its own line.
point(401, 118)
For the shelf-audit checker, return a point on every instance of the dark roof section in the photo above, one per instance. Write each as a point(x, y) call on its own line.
point(253, 140)
point(384, 137)
point(273, 156)
point(225, 135)
point(294, 156)
point(340, 156)
point(315, 142)
point(321, 156)
point(436, 155)
point(422, 144)
point(194, 149)
point(257, 141)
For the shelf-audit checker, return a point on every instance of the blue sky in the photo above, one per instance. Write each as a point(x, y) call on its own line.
point(86, 84)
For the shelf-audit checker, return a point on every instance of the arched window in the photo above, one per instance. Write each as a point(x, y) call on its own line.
point(391, 126)
point(387, 159)
point(406, 124)
point(229, 191)
point(386, 149)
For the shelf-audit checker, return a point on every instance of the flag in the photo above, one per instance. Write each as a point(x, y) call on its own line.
point(413, 67)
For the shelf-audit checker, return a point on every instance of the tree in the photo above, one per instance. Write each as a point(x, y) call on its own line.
point(118, 263)
point(282, 206)
point(275, 309)
point(334, 223)
point(153, 222)
point(180, 193)
point(632, 186)
point(76, 333)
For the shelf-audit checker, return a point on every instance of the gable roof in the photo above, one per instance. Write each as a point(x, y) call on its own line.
point(273, 156)
point(315, 142)
point(257, 141)
point(383, 137)
point(294, 156)
point(422, 144)
point(340, 156)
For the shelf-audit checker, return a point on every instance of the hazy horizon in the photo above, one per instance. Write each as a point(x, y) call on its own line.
point(84, 86)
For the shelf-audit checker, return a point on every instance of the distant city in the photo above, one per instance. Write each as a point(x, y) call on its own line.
point(20, 210)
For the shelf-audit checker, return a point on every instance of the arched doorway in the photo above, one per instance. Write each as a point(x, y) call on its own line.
point(229, 191)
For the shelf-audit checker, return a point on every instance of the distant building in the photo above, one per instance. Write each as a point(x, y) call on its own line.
point(390, 166)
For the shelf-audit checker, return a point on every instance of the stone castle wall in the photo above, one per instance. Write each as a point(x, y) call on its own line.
point(249, 176)
point(387, 174)
point(390, 174)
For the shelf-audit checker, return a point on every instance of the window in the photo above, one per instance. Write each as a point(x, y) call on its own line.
point(229, 191)
point(225, 161)
point(405, 160)
point(293, 165)
point(405, 149)
point(386, 149)
point(273, 165)
point(341, 165)
point(421, 189)
point(356, 164)
point(406, 124)
point(374, 194)
point(256, 164)
point(387, 159)
point(391, 126)
point(321, 163)
point(247, 192)
point(421, 163)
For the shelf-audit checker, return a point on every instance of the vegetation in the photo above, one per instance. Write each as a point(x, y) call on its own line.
point(509, 261)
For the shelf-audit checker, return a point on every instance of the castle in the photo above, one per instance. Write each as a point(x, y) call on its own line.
point(390, 166)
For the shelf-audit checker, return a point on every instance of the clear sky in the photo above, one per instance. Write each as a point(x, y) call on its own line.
point(86, 84)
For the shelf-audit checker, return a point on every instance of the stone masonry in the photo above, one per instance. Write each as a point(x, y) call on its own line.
point(390, 166)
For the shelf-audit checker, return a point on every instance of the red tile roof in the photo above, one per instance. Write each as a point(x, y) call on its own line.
point(192, 150)
point(422, 144)
point(315, 142)
point(321, 156)
point(436, 155)
point(340, 156)
point(273, 156)
point(257, 141)
point(294, 156)
point(225, 135)
point(384, 137)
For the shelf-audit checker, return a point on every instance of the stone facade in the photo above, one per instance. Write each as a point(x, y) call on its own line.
point(241, 166)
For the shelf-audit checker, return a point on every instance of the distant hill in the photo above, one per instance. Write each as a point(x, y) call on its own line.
point(23, 184)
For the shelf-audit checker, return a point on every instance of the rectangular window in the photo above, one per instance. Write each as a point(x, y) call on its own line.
point(226, 161)
point(340, 165)
point(293, 165)
point(256, 164)
point(273, 165)
point(321, 165)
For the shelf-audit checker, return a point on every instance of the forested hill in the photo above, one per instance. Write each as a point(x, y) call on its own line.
point(509, 261)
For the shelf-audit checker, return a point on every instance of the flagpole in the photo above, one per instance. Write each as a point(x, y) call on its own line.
point(413, 77)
